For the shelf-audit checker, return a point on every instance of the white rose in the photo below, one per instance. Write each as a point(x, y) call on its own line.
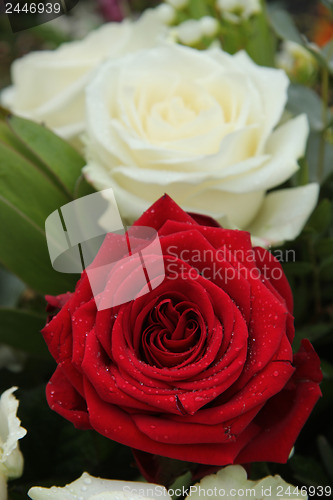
point(11, 459)
point(235, 10)
point(296, 61)
point(92, 488)
point(202, 127)
point(232, 482)
point(48, 86)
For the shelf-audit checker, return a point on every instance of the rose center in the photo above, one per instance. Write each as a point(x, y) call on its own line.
point(173, 334)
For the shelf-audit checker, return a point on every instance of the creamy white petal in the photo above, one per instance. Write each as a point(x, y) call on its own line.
point(93, 488)
point(48, 86)
point(198, 125)
point(284, 213)
point(284, 147)
point(11, 460)
point(232, 482)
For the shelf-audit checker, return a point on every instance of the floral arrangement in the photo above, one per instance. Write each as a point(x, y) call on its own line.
point(166, 251)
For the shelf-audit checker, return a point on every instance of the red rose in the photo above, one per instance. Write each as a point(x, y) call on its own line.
point(200, 368)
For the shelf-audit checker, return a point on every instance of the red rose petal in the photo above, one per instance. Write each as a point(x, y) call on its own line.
point(284, 415)
point(65, 400)
point(115, 424)
point(163, 209)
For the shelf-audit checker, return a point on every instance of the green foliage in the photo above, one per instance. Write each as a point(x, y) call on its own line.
point(308, 471)
point(21, 330)
point(38, 175)
point(283, 24)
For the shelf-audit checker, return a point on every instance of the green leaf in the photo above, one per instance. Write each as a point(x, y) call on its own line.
point(10, 289)
point(258, 29)
point(326, 269)
point(324, 247)
point(327, 369)
point(327, 54)
point(312, 155)
point(197, 9)
point(312, 333)
point(25, 186)
point(182, 482)
point(321, 217)
point(38, 175)
point(23, 250)
point(83, 188)
point(62, 161)
point(326, 453)
point(308, 470)
point(304, 100)
point(297, 268)
point(21, 329)
point(283, 25)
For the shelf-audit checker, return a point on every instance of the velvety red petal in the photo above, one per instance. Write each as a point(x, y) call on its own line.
point(162, 210)
point(58, 301)
point(284, 415)
point(65, 400)
point(58, 335)
point(204, 220)
point(274, 273)
point(116, 424)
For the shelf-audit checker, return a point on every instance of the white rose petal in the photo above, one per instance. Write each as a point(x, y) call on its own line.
point(189, 32)
point(178, 4)
point(48, 86)
point(232, 482)
point(284, 213)
point(11, 459)
point(209, 25)
point(202, 126)
point(296, 60)
point(166, 13)
point(232, 10)
point(92, 488)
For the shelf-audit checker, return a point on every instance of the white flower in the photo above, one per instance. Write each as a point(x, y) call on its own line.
point(232, 482)
point(193, 30)
point(92, 488)
point(48, 86)
point(178, 4)
point(11, 459)
point(166, 13)
point(189, 32)
point(201, 126)
point(234, 10)
point(298, 62)
point(209, 25)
